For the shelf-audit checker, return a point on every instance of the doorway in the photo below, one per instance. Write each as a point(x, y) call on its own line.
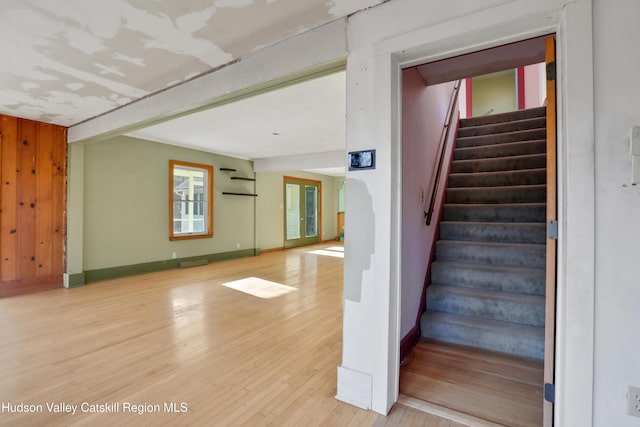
point(445, 300)
point(302, 211)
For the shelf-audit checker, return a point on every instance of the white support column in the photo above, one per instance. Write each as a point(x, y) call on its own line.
point(74, 253)
point(371, 291)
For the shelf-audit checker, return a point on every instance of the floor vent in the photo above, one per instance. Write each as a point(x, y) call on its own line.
point(193, 263)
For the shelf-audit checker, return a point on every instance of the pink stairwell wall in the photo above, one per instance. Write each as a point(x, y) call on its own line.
point(424, 110)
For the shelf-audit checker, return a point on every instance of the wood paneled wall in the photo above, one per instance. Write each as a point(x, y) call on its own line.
point(32, 199)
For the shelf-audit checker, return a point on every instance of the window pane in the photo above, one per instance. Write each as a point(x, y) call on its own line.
point(191, 199)
point(293, 211)
point(311, 210)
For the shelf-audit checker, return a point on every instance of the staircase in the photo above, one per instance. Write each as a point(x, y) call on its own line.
point(488, 278)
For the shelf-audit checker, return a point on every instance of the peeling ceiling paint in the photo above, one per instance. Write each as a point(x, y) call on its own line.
point(70, 60)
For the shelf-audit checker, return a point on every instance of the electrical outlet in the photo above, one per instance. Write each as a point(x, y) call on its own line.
point(633, 401)
point(174, 255)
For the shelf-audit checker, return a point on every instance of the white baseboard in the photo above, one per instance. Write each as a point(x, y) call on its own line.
point(354, 388)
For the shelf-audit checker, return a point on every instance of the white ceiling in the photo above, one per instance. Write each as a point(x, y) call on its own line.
point(67, 61)
point(299, 119)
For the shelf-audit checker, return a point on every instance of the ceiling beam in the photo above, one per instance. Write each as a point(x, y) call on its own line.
point(308, 55)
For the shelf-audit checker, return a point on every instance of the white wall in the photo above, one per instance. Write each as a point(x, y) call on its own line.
point(535, 90)
point(462, 99)
point(424, 111)
point(617, 94)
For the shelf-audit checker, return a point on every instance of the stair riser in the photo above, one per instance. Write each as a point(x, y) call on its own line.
point(534, 161)
point(504, 117)
point(534, 194)
point(497, 340)
point(495, 179)
point(498, 213)
point(530, 283)
point(497, 128)
point(521, 256)
point(524, 135)
point(530, 233)
point(522, 312)
point(500, 150)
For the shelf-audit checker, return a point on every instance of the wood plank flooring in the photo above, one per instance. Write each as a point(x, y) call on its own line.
point(502, 389)
point(192, 337)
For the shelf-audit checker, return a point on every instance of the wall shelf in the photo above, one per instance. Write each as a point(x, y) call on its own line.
point(241, 178)
point(239, 194)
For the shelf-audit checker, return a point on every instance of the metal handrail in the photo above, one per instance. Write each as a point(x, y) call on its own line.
point(441, 151)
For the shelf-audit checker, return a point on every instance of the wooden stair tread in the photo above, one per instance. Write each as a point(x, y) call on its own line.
point(500, 388)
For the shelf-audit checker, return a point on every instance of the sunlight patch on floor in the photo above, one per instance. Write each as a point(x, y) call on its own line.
point(259, 287)
point(333, 251)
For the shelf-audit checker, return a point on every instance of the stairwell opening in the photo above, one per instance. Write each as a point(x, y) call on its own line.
point(479, 270)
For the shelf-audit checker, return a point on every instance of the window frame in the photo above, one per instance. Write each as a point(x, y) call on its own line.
point(208, 169)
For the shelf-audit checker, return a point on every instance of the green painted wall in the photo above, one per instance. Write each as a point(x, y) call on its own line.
point(125, 198)
point(270, 204)
point(117, 205)
point(342, 193)
point(496, 91)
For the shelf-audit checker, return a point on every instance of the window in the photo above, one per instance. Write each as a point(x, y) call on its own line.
point(190, 200)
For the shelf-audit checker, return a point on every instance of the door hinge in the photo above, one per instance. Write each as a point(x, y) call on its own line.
point(551, 70)
point(550, 392)
point(552, 230)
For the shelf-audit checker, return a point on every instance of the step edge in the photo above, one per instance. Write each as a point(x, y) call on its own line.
point(519, 132)
point(482, 323)
point(493, 205)
point(502, 172)
point(520, 187)
point(529, 121)
point(490, 244)
point(491, 267)
point(496, 159)
point(515, 120)
point(497, 295)
point(533, 110)
point(502, 144)
point(495, 224)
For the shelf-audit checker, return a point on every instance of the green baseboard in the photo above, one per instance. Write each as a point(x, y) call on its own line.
point(101, 274)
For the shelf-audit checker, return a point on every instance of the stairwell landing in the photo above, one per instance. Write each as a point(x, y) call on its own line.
point(487, 281)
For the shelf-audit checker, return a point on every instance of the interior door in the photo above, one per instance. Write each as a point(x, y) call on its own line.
point(302, 212)
point(550, 309)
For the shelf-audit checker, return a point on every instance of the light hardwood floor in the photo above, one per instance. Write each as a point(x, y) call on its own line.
point(189, 336)
point(501, 389)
